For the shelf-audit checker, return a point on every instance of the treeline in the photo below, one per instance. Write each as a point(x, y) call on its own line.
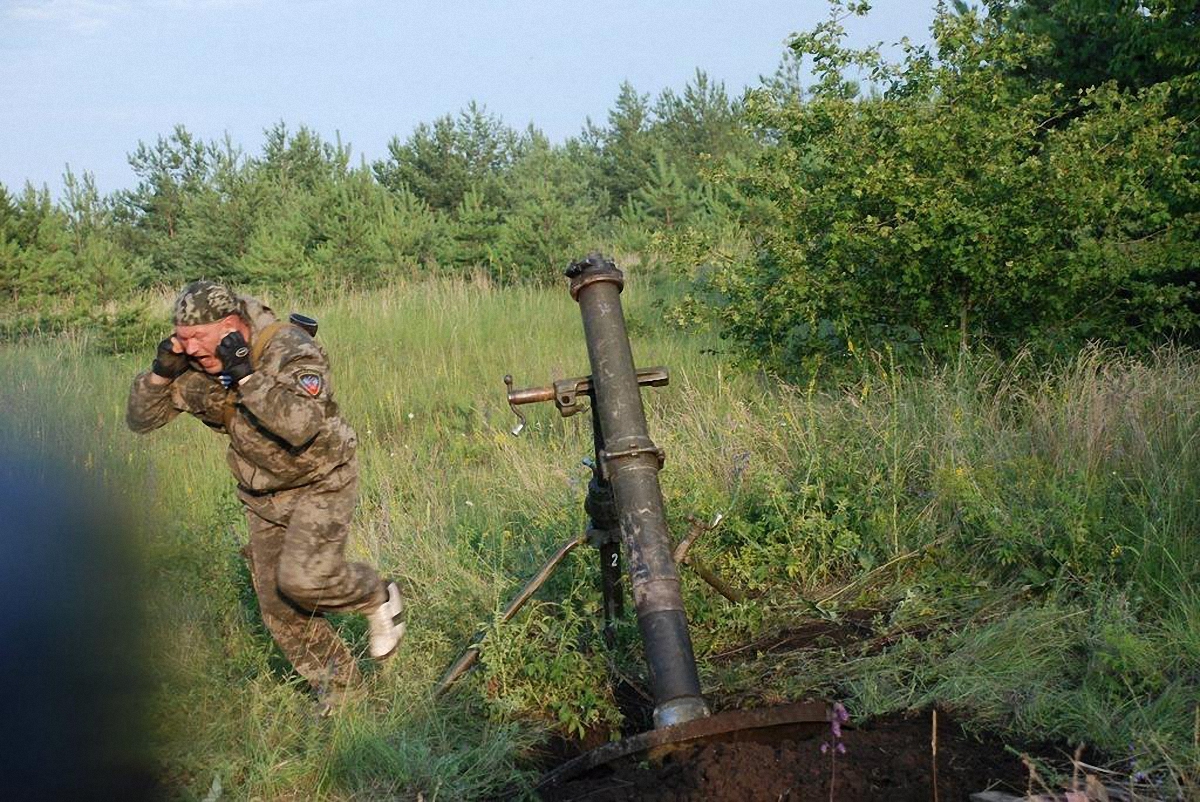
point(1030, 179)
point(465, 193)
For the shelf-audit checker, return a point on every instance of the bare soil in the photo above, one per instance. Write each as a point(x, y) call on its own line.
point(886, 759)
point(889, 758)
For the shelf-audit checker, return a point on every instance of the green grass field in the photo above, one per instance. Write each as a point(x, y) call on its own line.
point(1023, 541)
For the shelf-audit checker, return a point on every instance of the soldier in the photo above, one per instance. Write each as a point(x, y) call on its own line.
point(265, 385)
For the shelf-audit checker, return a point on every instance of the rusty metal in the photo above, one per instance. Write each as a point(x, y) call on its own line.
point(727, 725)
point(581, 279)
point(471, 654)
point(715, 582)
point(624, 495)
point(696, 528)
point(604, 529)
point(682, 556)
point(630, 461)
point(565, 393)
point(659, 455)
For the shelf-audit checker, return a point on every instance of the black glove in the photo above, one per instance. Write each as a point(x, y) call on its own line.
point(234, 353)
point(167, 363)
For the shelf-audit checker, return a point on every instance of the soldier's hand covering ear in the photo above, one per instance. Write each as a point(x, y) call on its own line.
point(234, 353)
point(168, 363)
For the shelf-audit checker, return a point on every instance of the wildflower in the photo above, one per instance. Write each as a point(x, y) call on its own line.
point(839, 717)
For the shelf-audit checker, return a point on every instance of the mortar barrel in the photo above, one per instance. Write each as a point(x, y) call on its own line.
point(630, 462)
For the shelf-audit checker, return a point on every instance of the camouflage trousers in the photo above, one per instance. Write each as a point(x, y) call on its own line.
point(299, 570)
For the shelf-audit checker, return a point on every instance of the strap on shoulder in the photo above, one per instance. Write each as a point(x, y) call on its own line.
point(256, 351)
point(263, 339)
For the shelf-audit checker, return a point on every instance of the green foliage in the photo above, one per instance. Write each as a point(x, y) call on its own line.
point(135, 328)
point(1136, 43)
point(298, 212)
point(441, 163)
point(1058, 671)
point(302, 162)
point(623, 150)
point(540, 668)
point(36, 255)
point(1022, 533)
point(278, 252)
point(1035, 183)
point(59, 268)
point(321, 222)
point(664, 199)
point(666, 148)
point(960, 206)
point(550, 212)
point(472, 233)
point(465, 194)
point(156, 213)
point(700, 127)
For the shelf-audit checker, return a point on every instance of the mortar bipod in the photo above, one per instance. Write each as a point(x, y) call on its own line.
point(602, 532)
point(603, 527)
point(565, 393)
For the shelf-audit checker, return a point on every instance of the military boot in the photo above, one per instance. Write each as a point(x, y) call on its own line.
point(387, 624)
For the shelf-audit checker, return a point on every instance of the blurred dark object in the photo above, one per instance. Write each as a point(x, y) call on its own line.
point(305, 322)
point(71, 726)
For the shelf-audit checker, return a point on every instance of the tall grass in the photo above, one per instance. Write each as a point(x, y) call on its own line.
point(1010, 528)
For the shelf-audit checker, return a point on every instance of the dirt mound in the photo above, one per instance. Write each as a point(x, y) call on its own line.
point(887, 759)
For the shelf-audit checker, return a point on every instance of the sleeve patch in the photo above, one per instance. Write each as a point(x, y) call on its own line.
point(311, 383)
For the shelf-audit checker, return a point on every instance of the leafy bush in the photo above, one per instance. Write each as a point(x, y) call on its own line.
point(960, 205)
point(537, 667)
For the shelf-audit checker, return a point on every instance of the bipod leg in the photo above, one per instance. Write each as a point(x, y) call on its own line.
point(470, 655)
point(717, 584)
point(610, 587)
point(605, 534)
point(682, 557)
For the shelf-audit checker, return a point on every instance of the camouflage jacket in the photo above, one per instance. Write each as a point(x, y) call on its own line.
point(283, 426)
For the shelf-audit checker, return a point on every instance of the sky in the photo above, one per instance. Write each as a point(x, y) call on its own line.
point(82, 82)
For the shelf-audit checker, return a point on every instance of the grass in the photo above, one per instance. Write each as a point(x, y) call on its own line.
point(1024, 538)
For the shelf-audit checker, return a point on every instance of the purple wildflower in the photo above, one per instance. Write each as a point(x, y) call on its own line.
point(838, 717)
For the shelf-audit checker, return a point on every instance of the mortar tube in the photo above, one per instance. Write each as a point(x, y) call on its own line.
point(630, 463)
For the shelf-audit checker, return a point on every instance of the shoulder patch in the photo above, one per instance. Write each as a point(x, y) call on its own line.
point(310, 382)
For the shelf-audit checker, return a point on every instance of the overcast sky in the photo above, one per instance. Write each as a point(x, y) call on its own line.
point(83, 81)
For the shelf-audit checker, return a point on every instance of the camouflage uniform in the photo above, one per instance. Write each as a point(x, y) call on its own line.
point(293, 458)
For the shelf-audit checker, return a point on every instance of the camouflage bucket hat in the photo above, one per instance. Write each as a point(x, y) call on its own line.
point(203, 302)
